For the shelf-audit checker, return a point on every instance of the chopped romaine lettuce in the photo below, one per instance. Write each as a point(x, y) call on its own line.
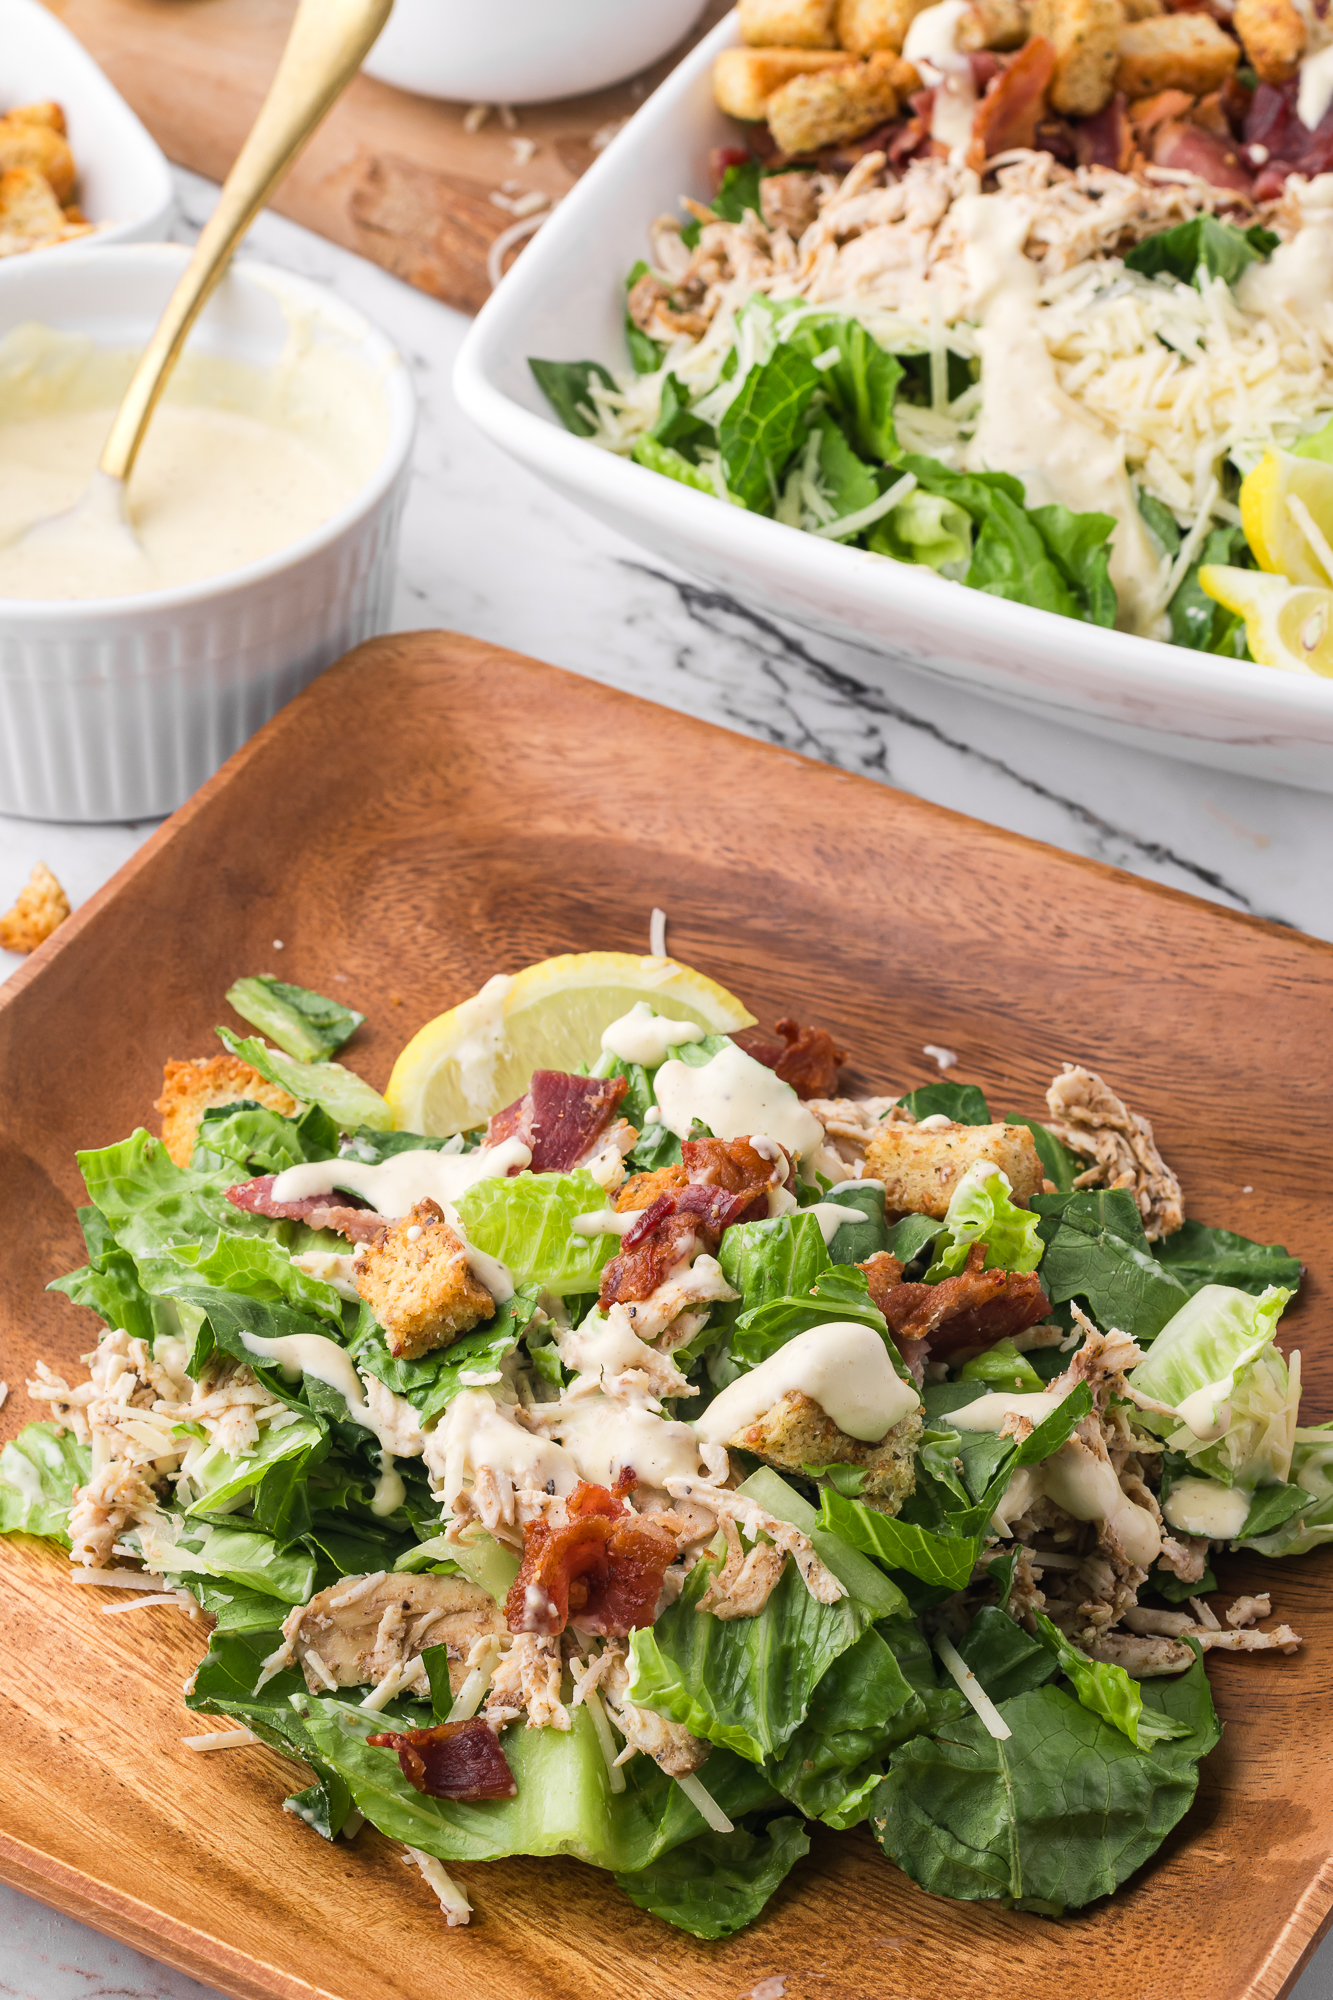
point(980, 1211)
point(39, 1470)
point(347, 1098)
point(526, 1221)
point(305, 1024)
point(1216, 1365)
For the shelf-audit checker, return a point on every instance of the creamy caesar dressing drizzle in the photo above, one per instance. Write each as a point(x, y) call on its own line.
point(475, 1434)
point(733, 1095)
point(843, 1366)
point(988, 1412)
point(1298, 277)
point(605, 1222)
point(239, 462)
point(324, 1361)
point(601, 1347)
point(607, 1437)
point(932, 45)
point(390, 1492)
point(480, 1024)
point(647, 1038)
point(1206, 1412)
point(1029, 426)
point(395, 1186)
point(1206, 1507)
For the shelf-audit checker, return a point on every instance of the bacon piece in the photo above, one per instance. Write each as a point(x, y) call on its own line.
point(1187, 148)
point(725, 1181)
point(883, 1273)
point(636, 1273)
point(454, 1760)
point(559, 1117)
point(642, 1190)
point(975, 1309)
point(1105, 139)
point(806, 1058)
point(1007, 115)
point(317, 1211)
point(603, 1569)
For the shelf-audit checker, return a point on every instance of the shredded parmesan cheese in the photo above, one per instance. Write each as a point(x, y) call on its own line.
point(456, 1907)
point(221, 1739)
point(972, 1688)
point(703, 1802)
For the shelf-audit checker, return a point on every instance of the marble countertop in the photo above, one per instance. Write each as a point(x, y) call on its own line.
point(488, 550)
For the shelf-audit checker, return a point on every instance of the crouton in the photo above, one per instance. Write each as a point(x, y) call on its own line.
point(642, 1190)
point(416, 1281)
point(29, 211)
point(1174, 52)
point(868, 26)
point(992, 24)
point(191, 1088)
point(745, 79)
point(1085, 35)
point(38, 114)
point(796, 1432)
point(790, 24)
point(921, 1166)
point(41, 908)
point(1142, 10)
point(814, 111)
point(1273, 35)
point(39, 147)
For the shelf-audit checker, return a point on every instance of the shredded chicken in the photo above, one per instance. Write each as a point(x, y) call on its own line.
point(746, 1581)
point(669, 1744)
point(850, 1123)
point(1088, 1117)
point(755, 1521)
point(1249, 1610)
point(527, 1679)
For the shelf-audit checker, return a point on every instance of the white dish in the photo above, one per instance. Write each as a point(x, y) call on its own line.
point(564, 301)
point(119, 708)
point(124, 184)
point(524, 51)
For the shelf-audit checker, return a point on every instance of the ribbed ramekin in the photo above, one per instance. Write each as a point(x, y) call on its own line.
point(119, 708)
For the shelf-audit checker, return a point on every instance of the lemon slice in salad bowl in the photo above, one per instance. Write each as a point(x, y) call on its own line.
point(1288, 625)
point(1286, 510)
point(472, 1061)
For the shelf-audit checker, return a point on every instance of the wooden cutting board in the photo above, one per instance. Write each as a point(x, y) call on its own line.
point(391, 175)
point(434, 810)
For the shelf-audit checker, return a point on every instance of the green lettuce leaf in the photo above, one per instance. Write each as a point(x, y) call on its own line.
point(1032, 556)
point(864, 1581)
point(565, 387)
point(944, 1561)
point(1216, 1361)
point(717, 1883)
point(1096, 1252)
point(240, 1554)
point(526, 1222)
point(775, 1259)
point(861, 1709)
point(1057, 1814)
point(763, 426)
point(1218, 249)
point(255, 1140)
point(1001, 1367)
point(1312, 1474)
point(840, 1293)
point(1079, 545)
point(672, 464)
point(865, 1232)
point(223, 1685)
point(431, 1383)
point(1002, 1656)
point(1199, 1256)
point(678, 429)
point(39, 1470)
point(980, 1211)
point(925, 528)
point(745, 1683)
point(347, 1098)
point(739, 191)
point(962, 1102)
point(1108, 1691)
point(862, 383)
point(108, 1284)
point(305, 1024)
point(224, 1479)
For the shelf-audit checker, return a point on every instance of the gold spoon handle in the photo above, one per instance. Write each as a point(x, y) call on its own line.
point(328, 40)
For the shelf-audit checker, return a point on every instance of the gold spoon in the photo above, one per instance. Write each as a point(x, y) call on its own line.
point(324, 51)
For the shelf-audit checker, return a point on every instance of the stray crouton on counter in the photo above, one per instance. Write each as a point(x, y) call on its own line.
point(415, 1279)
point(37, 180)
point(921, 1165)
point(42, 908)
point(193, 1087)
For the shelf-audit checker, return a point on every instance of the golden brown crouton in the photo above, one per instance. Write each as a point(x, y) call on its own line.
point(841, 104)
point(745, 79)
point(920, 1166)
point(39, 147)
point(1274, 37)
point(790, 24)
point(29, 211)
point(191, 1088)
point(1174, 52)
point(38, 114)
point(866, 26)
point(416, 1281)
point(796, 1432)
point(1085, 35)
point(1142, 10)
point(993, 24)
point(642, 1190)
point(41, 908)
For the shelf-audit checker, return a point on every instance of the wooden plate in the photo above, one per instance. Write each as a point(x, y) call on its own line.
point(429, 812)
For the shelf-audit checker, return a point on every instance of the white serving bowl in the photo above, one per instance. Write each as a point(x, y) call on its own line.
point(120, 707)
point(524, 51)
point(564, 301)
point(124, 182)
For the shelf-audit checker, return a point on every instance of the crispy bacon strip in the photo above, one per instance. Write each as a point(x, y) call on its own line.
point(1007, 115)
point(1106, 139)
point(454, 1760)
point(603, 1569)
point(317, 1211)
point(1186, 148)
point(720, 1182)
point(975, 1309)
point(559, 1117)
point(807, 1058)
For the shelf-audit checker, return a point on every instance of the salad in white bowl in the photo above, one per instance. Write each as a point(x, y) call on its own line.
point(618, 1442)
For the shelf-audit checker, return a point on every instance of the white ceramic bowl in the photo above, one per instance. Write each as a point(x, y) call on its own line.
point(125, 183)
point(119, 708)
point(564, 301)
point(524, 51)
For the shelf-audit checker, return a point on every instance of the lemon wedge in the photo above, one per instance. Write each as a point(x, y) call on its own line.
point(1288, 625)
point(1286, 510)
point(478, 1057)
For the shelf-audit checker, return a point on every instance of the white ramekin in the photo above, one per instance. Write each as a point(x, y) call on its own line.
point(119, 708)
point(524, 51)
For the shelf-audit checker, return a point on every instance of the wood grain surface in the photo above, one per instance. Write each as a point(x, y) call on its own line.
point(432, 811)
point(389, 174)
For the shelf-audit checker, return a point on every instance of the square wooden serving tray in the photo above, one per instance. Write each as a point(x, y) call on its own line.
point(432, 811)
